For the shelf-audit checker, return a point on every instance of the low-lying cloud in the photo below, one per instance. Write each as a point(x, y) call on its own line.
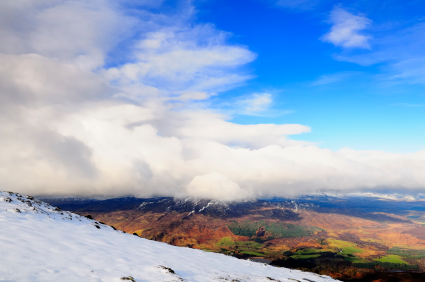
point(75, 120)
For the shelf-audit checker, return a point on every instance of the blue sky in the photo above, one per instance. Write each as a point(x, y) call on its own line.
point(349, 95)
point(215, 99)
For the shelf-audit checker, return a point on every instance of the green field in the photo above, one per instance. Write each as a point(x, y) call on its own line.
point(350, 251)
point(250, 244)
point(391, 259)
point(407, 253)
point(252, 253)
point(243, 247)
point(226, 241)
point(274, 230)
point(305, 256)
point(346, 248)
point(305, 253)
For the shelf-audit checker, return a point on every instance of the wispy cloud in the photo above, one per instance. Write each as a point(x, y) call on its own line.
point(333, 78)
point(401, 54)
point(184, 59)
point(412, 70)
point(257, 103)
point(346, 30)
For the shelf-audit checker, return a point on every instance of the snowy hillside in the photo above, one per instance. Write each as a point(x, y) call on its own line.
point(41, 243)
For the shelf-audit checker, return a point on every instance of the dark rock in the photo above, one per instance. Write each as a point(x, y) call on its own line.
point(7, 199)
point(129, 278)
point(167, 268)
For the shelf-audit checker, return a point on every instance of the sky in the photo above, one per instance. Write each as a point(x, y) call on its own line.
point(210, 98)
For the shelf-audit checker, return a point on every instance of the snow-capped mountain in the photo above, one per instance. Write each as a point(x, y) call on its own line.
point(190, 206)
point(394, 197)
point(42, 243)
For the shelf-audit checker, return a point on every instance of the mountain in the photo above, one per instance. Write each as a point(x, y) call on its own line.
point(191, 206)
point(348, 237)
point(40, 242)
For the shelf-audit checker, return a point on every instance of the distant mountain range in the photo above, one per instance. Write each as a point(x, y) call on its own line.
point(184, 201)
point(354, 236)
point(187, 205)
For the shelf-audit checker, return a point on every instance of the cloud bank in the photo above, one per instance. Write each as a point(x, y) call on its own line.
point(98, 99)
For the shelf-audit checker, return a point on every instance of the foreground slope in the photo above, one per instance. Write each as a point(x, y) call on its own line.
point(43, 243)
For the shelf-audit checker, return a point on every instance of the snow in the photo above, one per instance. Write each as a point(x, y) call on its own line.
point(39, 242)
point(395, 197)
point(205, 207)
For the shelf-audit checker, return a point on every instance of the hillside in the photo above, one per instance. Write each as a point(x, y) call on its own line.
point(347, 238)
point(42, 243)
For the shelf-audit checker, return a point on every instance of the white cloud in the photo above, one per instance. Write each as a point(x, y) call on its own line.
point(333, 78)
point(139, 128)
point(257, 103)
point(346, 30)
point(32, 79)
point(401, 53)
point(216, 186)
point(79, 32)
point(174, 60)
point(192, 95)
point(138, 3)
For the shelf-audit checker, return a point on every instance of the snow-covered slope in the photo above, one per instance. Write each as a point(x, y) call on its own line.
point(41, 243)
